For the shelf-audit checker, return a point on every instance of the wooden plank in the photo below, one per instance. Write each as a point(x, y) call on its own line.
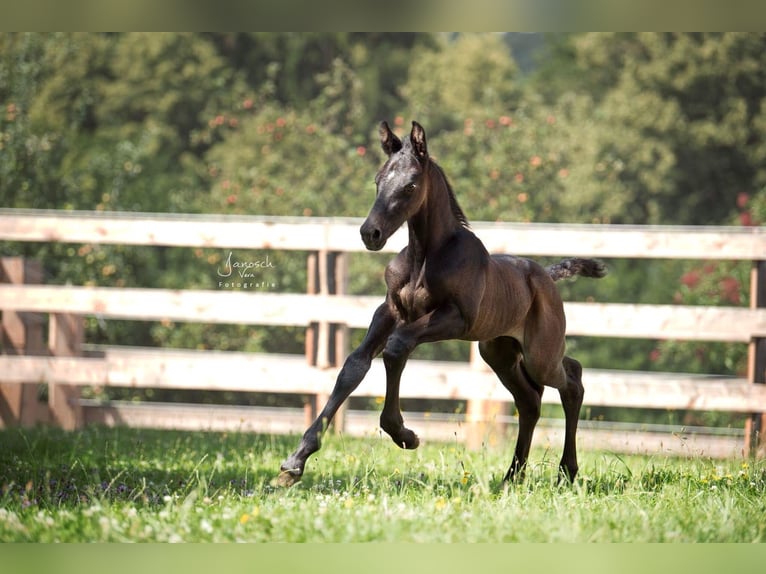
point(185, 230)
point(21, 334)
point(237, 307)
point(65, 338)
point(698, 323)
point(201, 370)
point(342, 234)
point(421, 379)
point(364, 424)
point(191, 417)
point(444, 380)
point(756, 362)
point(255, 308)
point(654, 242)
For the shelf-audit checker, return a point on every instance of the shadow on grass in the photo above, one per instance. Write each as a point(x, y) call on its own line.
point(49, 467)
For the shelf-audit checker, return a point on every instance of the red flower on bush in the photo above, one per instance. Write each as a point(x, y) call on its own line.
point(691, 278)
point(730, 289)
point(742, 199)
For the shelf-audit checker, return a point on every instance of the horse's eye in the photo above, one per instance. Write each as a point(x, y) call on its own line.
point(410, 187)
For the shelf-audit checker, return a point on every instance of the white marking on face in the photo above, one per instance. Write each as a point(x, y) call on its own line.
point(391, 175)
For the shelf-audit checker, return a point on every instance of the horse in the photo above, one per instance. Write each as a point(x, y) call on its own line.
point(445, 285)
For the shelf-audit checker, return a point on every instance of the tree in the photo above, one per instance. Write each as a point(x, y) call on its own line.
point(679, 123)
point(471, 76)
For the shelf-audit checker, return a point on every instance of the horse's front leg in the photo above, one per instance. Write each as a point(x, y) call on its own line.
point(439, 325)
point(354, 369)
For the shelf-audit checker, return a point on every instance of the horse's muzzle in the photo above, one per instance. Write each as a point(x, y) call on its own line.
point(372, 236)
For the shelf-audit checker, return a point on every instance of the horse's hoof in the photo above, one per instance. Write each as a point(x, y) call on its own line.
point(286, 479)
point(407, 440)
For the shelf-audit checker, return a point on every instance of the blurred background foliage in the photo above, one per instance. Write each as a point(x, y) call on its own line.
point(582, 128)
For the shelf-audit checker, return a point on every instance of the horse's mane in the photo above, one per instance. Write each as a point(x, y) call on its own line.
point(457, 211)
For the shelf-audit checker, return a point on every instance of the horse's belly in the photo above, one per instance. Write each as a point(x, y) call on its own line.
point(492, 327)
point(504, 308)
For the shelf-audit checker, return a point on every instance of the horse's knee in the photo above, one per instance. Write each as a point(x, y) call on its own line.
point(396, 349)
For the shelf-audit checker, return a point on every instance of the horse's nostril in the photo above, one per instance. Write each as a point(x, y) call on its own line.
point(372, 236)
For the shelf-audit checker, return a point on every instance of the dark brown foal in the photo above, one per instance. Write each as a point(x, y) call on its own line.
point(445, 285)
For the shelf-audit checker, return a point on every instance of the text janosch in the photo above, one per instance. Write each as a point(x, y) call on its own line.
point(244, 268)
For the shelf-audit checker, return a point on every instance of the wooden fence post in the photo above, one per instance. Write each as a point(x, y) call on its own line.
point(483, 416)
point(326, 343)
point(312, 288)
point(338, 341)
point(755, 429)
point(312, 403)
point(65, 337)
point(22, 334)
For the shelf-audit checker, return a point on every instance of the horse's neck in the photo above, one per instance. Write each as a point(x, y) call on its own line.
point(431, 226)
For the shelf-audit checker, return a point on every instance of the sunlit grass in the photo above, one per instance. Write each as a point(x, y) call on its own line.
point(136, 485)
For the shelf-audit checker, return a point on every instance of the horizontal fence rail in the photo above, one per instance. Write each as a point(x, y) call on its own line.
point(326, 309)
point(342, 235)
point(697, 323)
point(272, 373)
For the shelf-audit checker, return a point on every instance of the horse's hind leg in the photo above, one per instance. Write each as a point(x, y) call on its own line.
point(504, 356)
point(571, 399)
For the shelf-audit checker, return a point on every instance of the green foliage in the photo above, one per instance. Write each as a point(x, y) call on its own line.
point(597, 128)
point(288, 163)
point(680, 117)
point(472, 75)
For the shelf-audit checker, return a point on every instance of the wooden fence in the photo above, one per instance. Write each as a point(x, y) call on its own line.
point(327, 312)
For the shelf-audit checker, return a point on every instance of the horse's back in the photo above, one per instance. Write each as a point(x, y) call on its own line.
point(512, 268)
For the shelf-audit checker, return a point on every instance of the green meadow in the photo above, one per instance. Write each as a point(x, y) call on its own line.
point(120, 485)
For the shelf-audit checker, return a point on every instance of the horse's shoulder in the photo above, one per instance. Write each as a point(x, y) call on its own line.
point(397, 270)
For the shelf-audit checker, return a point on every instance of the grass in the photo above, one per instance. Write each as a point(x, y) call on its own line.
point(119, 485)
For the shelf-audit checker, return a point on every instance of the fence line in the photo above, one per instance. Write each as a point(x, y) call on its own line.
point(327, 312)
point(219, 371)
point(342, 235)
point(694, 323)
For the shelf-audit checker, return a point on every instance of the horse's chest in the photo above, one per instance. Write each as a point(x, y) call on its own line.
point(413, 302)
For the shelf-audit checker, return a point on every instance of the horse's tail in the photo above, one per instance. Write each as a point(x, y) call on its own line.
point(577, 266)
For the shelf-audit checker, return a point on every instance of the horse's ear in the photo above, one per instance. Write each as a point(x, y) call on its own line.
point(388, 140)
point(418, 140)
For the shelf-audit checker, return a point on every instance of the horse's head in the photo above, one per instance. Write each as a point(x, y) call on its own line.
point(401, 185)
